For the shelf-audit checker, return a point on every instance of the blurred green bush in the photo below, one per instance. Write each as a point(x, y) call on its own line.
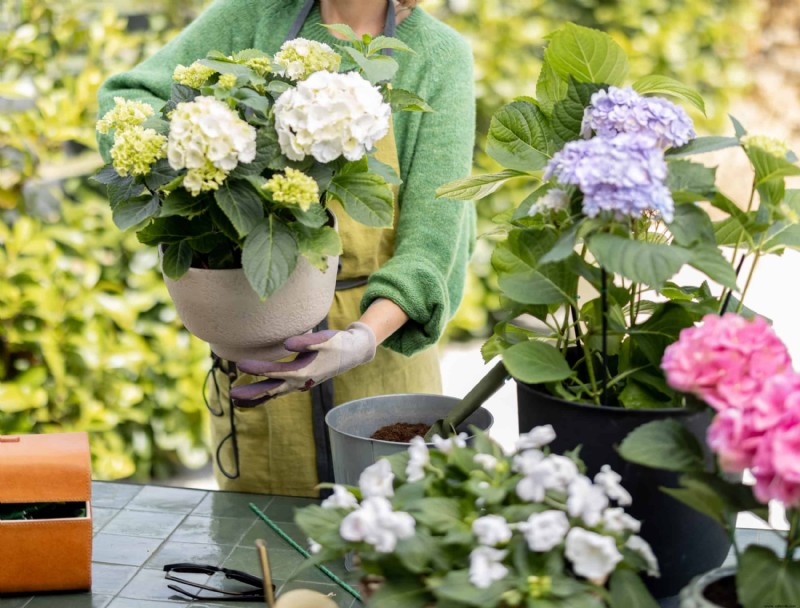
point(88, 337)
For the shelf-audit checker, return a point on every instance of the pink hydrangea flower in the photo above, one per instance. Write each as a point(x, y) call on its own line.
point(776, 466)
point(726, 360)
point(733, 437)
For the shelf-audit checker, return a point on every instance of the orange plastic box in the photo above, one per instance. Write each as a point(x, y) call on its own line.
point(45, 554)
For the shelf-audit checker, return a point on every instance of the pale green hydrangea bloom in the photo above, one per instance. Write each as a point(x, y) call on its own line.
point(202, 179)
point(294, 188)
point(770, 145)
point(260, 65)
point(299, 58)
point(194, 76)
point(124, 115)
point(227, 81)
point(136, 149)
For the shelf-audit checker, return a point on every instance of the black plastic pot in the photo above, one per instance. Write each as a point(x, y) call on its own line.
point(687, 543)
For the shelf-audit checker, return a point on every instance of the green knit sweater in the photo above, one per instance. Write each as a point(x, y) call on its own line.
point(426, 275)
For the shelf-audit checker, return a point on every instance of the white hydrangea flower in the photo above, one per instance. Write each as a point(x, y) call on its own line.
point(299, 58)
point(340, 499)
point(615, 520)
point(555, 200)
point(446, 445)
point(609, 480)
point(331, 115)
point(536, 438)
point(641, 546)
point(313, 546)
point(207, 137)
point(586, 500)
point(491, 530)
point(418, 459)
point(485, 566)
point(487, 461)
point(545, 530)
point(552, 473)
point(593, 555)
point(377, 524)
point(377, 480)
point(526, 461)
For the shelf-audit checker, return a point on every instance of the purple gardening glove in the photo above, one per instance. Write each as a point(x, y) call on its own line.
point(322, 355)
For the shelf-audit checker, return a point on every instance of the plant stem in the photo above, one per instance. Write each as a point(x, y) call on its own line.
point(604, 324)
point(749, 208)
point(727, 299)
point(749, 278)
point(793, 538)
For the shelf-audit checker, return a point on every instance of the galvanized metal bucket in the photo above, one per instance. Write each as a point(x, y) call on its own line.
point(351, 424)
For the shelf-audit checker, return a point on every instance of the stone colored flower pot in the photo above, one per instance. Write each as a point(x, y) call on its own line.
point(221, 308)
point(693, 595)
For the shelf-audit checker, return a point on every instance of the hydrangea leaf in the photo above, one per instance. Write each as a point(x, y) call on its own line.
point(317, 244)
point(638, 261)
point(550, 88)
point(177, 259)
point(161, 173)
point(366, 197)
point(587, 55)
point(702, 145)
point(710, 261)
point(535, 362)
point(129, 213)
point(478, 186)
point(269, 256)
point(627, 590)
point(664, 85)
point(173, 229)
point(242, 205)
point(691, 225)
point(183, 204)
point(377, 68)
point(690, 182)
point(406, 101)
point(520, 137)
point(663, 444)
point(568, 113)
point(763, 579)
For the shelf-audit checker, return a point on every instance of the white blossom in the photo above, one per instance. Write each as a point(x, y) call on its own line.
point(552, 473)
point(331, 115)
point(446, 445)
point(610, 480)
point(377, 480)
point(485, 566)
point(586, 500)
point(299, 58)
point(491, 530)
point(641, 546)
point(341, 498)
point(538, 437)
point(204, 134)
point(418, 459)
point(616, 520)
point(593, 555)
point(313, 546)
point(525, 462)
point(545, 530)
point(377, 524)
point(487, 461)
point(555, 200)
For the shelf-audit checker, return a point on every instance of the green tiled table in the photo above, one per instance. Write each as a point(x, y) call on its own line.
point(138, 529)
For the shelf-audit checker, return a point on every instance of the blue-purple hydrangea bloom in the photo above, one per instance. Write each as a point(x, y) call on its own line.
point(623, 110)
point(624, 174)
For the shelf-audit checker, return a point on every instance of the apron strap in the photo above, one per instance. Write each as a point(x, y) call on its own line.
point(389, 28)
point(322, 397)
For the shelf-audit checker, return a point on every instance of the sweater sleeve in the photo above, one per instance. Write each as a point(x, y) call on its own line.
point(435, 238)
point(226, 26)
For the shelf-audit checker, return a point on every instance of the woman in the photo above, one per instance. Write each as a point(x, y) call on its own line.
point(398, 287)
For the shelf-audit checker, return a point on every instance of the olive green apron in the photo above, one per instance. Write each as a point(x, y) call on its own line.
point(273, 448)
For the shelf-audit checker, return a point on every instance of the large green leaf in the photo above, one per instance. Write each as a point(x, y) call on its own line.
point(243, 206)
point(459, 591)
point(535, 362)
point(780, 236)
point(181, 203)
point(690, 182)
point(161, 173)
point(397, 592)
point(269, 256)
point(478, 186)
point(550, 88)
point(321, 524)
point(316, 244)
point(520, 137)
point(129, 213)
point(267, 150)
point(366, 197)
point(587, 55)
point(768, 166)
point(124, 190)
point(628, 590)
point(660, 330)
point(702, 145)
point(663, 444)
point(173, 229)
point(664, 85)
point(407, 101)
point(638, 261)
point(568, 113)
point(377, 68)
point(691, 225)
point(763, 579)
point(439, 513)
point(177, 259)
point(710, 261)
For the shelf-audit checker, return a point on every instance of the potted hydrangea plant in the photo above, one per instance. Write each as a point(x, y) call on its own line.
point(742, 370)
point(471, 526)
point(588, 259)
point(235, 179)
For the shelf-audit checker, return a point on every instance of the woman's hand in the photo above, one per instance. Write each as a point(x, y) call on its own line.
point(321, 355)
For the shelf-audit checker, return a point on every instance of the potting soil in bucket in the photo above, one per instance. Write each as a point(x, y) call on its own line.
point(351, 425)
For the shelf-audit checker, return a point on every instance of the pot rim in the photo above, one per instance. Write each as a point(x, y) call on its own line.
point(383, 441)
point(676, 411)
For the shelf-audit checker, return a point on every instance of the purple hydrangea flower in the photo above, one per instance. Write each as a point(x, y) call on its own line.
point(624, 174)
point(618, 111)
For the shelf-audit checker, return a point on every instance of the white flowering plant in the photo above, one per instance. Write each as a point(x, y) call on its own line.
point(468, 525)
point(238, 166)
point(587, 262)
